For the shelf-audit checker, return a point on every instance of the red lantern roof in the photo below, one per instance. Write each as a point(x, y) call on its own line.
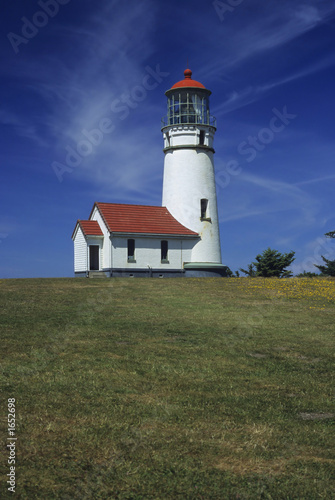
point(188, 82)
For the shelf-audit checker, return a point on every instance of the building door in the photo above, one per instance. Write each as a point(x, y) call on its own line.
point(94, 257)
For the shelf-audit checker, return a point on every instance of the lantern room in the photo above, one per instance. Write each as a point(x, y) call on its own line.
point(188, 103)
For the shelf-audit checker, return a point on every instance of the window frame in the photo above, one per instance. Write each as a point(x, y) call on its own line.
point(164, 251)
point(204, 210)
point(131, 257)
point(94, 257)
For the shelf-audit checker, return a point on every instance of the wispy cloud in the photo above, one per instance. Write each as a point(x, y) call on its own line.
point(22, 126)
point(278, 24)
point(326, 178)
point(125, 166)
point(102, 61)
point(239, 99)
point(271, 196)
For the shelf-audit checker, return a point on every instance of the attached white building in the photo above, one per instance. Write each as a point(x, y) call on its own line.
point(131, 240)
point(180, 238)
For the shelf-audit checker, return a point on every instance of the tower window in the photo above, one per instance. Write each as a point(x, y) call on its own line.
point(131, 250)
point(203, 208)
point(202, 137)
point(164, 251)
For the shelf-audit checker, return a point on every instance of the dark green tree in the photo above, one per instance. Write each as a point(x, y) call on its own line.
point(229, 272)
point(329, 268)
point(271, 264)
point(251, 271)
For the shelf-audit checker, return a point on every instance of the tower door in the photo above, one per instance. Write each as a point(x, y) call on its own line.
point(94, 257)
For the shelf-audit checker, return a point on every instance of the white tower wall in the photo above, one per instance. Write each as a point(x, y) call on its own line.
point(188, 178)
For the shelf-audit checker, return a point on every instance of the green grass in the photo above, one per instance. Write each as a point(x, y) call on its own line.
point(169, 389)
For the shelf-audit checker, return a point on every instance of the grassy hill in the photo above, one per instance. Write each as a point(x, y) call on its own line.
point(165, 389)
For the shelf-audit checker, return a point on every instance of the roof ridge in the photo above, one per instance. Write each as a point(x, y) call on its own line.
point(127, 204)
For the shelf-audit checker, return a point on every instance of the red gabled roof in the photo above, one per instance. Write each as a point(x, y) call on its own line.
point(90, 227)
point(143, 219)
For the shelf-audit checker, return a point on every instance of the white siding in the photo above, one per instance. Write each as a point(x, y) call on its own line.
point(105, 262)
point(187, 249)
point(80, 252)
point(148, 253)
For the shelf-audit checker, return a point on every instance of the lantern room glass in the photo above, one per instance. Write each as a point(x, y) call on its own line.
point(188, 107)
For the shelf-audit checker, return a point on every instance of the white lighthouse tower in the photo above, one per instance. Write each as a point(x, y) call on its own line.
point(189, 180)
point(180, 238)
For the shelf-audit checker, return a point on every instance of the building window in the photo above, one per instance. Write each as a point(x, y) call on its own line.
point(203, 208)
point(164, 251)
point(131, 250)
point(202, 137)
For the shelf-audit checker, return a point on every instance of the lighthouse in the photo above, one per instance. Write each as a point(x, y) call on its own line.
point(180, 238)
point(189, 191)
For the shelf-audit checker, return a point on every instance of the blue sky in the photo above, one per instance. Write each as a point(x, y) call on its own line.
point(71, 69)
